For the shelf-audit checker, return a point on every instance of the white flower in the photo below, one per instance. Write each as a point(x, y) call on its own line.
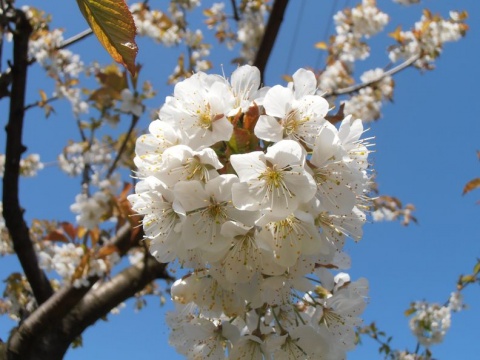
point(180, 163)
point(292, 113)
point(199, 108)
point(206, 209)
point(292, 237)
point(430, 322)
point(303, 342)
point(76, 155)
point(248, 347)
point(30, 165)
point(130, 104)
point(243, 258)
point(154, 200)
point(245, 87)
point(275, 181)
point(455, 302)
point(339, 312)
point(150, 147)
point(92, 209)
point(331, 173)
point(66, 259)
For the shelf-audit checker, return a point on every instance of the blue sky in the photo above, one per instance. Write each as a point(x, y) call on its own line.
point(426, 147)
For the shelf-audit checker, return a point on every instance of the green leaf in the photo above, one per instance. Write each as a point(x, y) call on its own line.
point(113, 24)
point(476, 268)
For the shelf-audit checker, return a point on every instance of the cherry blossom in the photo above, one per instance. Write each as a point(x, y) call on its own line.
point(255, 222)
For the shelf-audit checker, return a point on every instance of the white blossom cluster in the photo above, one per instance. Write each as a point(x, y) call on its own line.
point(430, 322)
point(94, 158)
point(29, 166)
point(130, 103)
point(427, 37)
point(61, 64)
point(218, 20)
point(250, 26)
point(199, 50)
point(367, 103)
point(94, 209)
point(91, 209)
point(58, 62)
point(5, 242)
point(18, 300)
point(76, 156)
point(335, 76)
point(155, 24)
point(352, 25)
point(254, 204)
point(250, 29)
point(66, 260)
point(363, 20)
point(383, 214)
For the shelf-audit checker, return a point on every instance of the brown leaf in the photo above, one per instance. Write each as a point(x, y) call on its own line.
point(471, 185)
point(57, 235)
point(106, 250)
point(111, 77)
point(94, 236)
point(339, 116)
point(69, 229)
point(82, 267)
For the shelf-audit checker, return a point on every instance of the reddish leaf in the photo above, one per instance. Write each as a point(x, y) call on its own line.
point(57, 235)
point(69, 230)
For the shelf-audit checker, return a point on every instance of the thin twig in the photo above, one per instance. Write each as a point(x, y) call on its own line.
point(357, 87)
point(235, 11)
point(40, 103)
point(123, 146)
point(75, 38)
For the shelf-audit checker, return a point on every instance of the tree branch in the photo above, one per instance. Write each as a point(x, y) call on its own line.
point(270, 35)
point(13, 215)
point(44, 325)
point(100, 301)
point(60, 303)
point(357, 87)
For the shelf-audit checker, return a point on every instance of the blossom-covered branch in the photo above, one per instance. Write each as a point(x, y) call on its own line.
point(354, 88)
